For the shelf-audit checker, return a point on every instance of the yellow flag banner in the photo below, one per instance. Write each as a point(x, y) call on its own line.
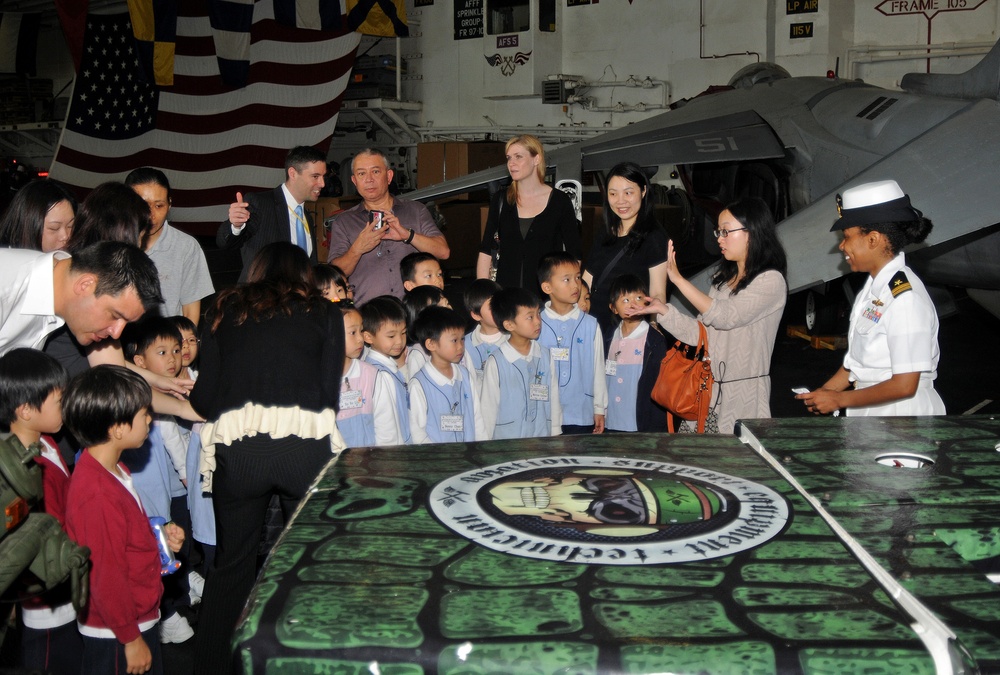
point(154, 23)
point(384, 18)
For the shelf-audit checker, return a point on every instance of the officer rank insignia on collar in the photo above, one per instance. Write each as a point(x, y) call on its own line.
point(899, 284)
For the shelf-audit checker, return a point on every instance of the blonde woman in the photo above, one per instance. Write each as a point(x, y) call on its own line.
point(527, 221)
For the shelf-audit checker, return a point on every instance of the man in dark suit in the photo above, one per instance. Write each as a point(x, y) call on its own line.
point(278, 214)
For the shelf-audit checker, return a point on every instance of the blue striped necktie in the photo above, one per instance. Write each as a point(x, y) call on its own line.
point(300, 229)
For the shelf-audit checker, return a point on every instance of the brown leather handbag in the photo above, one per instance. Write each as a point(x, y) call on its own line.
point(684, 385)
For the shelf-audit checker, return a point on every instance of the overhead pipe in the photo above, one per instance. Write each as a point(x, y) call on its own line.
point(936, 51)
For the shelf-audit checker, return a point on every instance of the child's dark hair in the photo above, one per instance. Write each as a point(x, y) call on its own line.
point(381, 310)
point(100, 398)
point(137, 337)
point(433, 321)
point(326, 274)
point(347, 305)
point(625, 284)
point(418, 298)
point(408, 265)
point(27, 377)
point(181, 322)
point(478, 292)
point(550, 261)
point(506, 303)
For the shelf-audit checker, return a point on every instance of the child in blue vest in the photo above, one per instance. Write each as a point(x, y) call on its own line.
point(486, 337)
point(356, 419)
point(415, 301)
point(520, 395)
point(577, 346)
point(421, 269)
point(159, 466)
point(383, 323)
point(199, 502)
point(637, 348)
point(443, 405)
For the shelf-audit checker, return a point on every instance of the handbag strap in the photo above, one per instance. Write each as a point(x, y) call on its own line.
point(611, 266)
point(702, 341)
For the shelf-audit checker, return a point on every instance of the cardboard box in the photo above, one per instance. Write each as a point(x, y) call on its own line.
point(441, 161)
point(320, 210)
point(463, 235)
point(430, 163)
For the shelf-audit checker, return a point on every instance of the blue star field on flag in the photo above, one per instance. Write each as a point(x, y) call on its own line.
point(111, 99)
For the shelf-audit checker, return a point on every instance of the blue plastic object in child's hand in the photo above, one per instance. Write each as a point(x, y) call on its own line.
point(168, 564)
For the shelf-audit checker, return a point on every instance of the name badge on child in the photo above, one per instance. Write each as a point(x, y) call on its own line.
point(538, 392)
point(610, 367)
point(350, 399)
point(560, 353)
point(452, 423)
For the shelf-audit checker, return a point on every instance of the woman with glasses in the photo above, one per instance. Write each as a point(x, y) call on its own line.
point(892, 347)
point(741, 311)
point(633, 243)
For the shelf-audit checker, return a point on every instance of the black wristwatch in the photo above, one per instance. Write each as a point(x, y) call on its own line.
point(409, 239)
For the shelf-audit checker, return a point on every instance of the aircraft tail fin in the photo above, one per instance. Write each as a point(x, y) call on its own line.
point(980, 81)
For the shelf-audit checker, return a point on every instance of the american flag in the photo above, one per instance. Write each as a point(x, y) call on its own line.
point(210, 139)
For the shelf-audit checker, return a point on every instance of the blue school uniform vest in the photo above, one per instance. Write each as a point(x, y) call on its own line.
point(479, 353)
point(402, 399)
point(150, 468)
point(623, 386)
point(357, 425)
point(576, 376)
point(449, 399)
point(519, 416)
point(199, 503)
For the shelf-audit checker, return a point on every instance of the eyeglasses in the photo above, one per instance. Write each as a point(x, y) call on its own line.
point(192, 341)
point(726, 233)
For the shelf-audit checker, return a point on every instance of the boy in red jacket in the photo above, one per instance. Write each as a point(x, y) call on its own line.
point(107, 409)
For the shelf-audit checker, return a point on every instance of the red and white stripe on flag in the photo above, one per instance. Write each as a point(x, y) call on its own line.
point(210, 139)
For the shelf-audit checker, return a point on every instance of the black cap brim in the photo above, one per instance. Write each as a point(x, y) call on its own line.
point(895, 211)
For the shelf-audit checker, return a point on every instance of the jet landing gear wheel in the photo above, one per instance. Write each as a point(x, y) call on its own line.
point(824, 314)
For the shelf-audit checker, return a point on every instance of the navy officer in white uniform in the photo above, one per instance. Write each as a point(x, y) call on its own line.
point(892, 352)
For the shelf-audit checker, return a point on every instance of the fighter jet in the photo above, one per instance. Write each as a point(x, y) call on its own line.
point(798, 141)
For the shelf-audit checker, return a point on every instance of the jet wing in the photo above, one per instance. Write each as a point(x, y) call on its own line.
point(682, 136)
point(457, 186)
point(738, 136)
point(949, 172)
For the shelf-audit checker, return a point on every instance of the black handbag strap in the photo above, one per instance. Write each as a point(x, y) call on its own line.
point(607, 270)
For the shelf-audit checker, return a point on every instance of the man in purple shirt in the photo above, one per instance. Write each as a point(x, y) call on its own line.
point(369, 251)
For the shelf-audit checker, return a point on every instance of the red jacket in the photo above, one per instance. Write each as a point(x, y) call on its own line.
point(55, 486)
point(125, 586)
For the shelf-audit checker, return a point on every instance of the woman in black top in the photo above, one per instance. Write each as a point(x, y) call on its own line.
point(271, 359)
point(527, 221)
point(633, 243)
